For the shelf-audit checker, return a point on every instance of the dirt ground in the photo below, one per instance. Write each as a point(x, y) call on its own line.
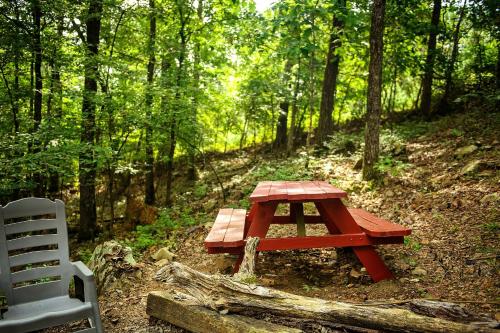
point(452, 253)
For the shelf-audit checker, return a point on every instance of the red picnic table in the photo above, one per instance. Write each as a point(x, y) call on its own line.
point(354, 228)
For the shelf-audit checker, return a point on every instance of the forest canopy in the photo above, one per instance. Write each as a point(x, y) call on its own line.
point(94, 90)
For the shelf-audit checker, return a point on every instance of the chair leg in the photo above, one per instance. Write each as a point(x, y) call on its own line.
point(96, 320)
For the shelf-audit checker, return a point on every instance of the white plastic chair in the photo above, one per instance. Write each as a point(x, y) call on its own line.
point(35, 274)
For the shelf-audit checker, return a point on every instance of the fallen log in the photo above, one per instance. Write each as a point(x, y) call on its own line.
point(221, 293)
point(182, 312)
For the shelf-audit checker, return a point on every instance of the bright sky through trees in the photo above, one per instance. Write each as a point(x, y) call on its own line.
point(262, 5)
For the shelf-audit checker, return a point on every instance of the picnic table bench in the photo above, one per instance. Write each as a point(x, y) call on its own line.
point(355, 228)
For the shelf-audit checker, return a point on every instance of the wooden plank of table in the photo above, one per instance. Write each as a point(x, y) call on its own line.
point(331, 191)
point(235, 229)
point(261, 192)
point(216, 235)
point(311, 242)
point(278, 191)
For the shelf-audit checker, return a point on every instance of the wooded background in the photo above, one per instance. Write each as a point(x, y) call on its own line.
point(98, 91)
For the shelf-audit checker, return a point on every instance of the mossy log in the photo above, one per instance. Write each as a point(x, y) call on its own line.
point(223, 294)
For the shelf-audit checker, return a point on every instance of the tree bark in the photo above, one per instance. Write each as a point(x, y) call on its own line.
point(374, 107)
point(87, 163)
point(425, 105)
point(181, 57)
point(56, 97)
point(181, 312)
point(284, 105)
point(38, 178)
point(150, 186)
point(329, 90)
point(295, 110)
point(451, 65)
point(221, 293)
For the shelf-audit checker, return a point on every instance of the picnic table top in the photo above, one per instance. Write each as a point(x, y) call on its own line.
point(295, 191)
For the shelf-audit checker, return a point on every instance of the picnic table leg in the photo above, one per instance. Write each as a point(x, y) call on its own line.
point(335, 212)
point(332, 228)
point(238, 262)
point(297, 215)
point(262, 218)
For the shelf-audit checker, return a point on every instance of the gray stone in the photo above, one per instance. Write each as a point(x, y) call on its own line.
point(419, 271)
point(163, 253)
point(462, 151)
point(471, 167)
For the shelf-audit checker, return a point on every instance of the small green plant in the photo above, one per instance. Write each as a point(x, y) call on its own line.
point(200, 191)
point(245, 203)
point(412, 244)
point(456, 132)
point(491, 226)
point(308, 288)
point(387, 164)
point(84, 255)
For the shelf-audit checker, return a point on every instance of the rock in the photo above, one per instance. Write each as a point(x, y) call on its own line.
point(462, 151)
point(471, 167)
point(163, 253)
point(404, 280)
point(389, 193)
point(110, 263)
point(162, 262)
point(354, 273)
point(419, 271)
point(492, 197)
point(358, 165)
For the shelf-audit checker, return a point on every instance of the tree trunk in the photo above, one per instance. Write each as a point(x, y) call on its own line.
point(150, 186)
point(295, 110)
point(425, 105)
point(56, 96)
point(329, 91)
point(223, 294)
point(191, 149)
point(37, 102)
point(173, 121)
point(87, 163)
point(451, 65)
point(282, 125)
point(373, 103)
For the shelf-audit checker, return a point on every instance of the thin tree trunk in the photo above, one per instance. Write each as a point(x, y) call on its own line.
point(191, 171)
point(56, 98)
point(150, 186)
point(425, 106)
point(451, 65)
point(284, 105)
point(173, 120)
point(37, 103)
point(374, 108)
point(329, 91)
point(295, 110)
point(87, 163)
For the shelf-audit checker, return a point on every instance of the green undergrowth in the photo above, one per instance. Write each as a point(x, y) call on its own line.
point(163, 231)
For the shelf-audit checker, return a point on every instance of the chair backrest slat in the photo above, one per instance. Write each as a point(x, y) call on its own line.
point(33, 257)
point(35, 244)
point(30, 225)
point(29, 207)
point(35, 292)
point(32, 241)
point(35, 274)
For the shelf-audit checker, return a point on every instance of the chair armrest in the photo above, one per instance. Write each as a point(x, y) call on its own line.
point(82, 271)
point(86, 276)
